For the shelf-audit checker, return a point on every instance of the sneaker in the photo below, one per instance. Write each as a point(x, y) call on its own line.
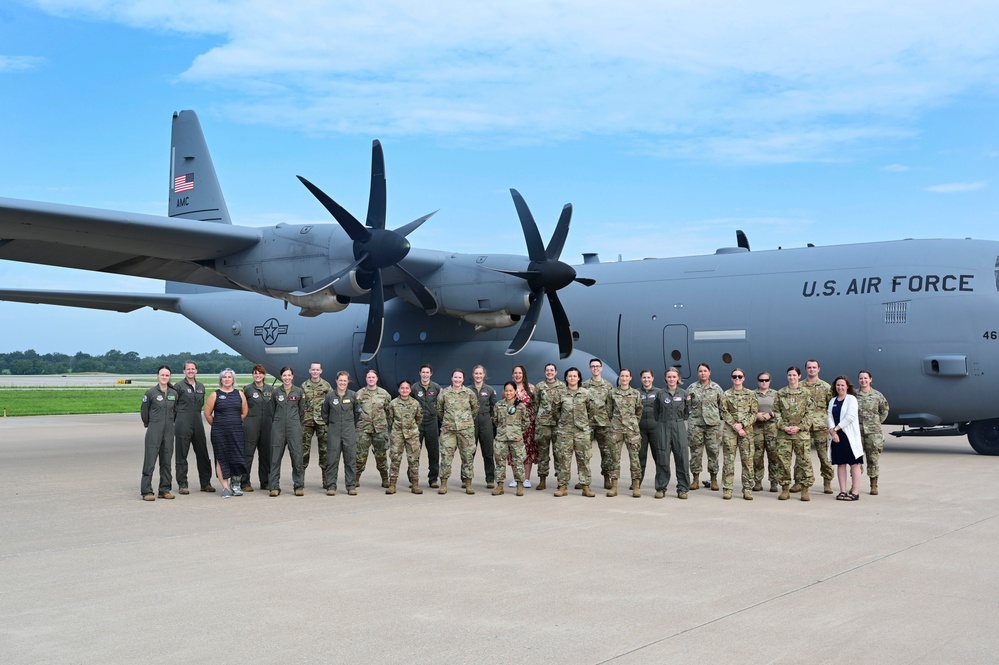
point(226, 493)
point(512, 483)
point(236, 490)
point(527, 483)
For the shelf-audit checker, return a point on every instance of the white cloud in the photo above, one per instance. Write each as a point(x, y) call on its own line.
point(774, 82)
point(957, 187)
point(19, 63)
point(896, 168)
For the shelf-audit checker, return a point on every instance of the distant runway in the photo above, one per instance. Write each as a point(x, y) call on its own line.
point(89, 573)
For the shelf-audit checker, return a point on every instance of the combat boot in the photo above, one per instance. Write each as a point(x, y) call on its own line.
point(660, 494)
point(579, 486)
point(714, 482)
point(827, 486)
point(468, 487)
point(695, 482)
point(391, 487)
point(681, 495)
point(727, 494)
point(498, 490)
point(520, 489)
point(562, 490)
point(773, 486)
point(331, 492)
point(804, 494)
point(542, 483)
point(613, 488)
point(636, 489)
point(785, 494)
point(795, 488)
point(385, 478)
point(357, 479)
point(874, 486)
point(747, 495)
point(607, 481)
point(414, 487)
point(587, 491)
point(443, 489)
point(758, 487)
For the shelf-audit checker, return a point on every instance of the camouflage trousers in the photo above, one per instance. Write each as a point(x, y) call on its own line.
point(602, 435)
point(321, 430)
point(765, 442)
point(631, 440)
point(820, 439)
point(378, 444)
point(567, 443)
point(462, 440)
point(744, 444)
point(544, 436)
point(874, 444)
point(516, 450)
point(410, 441)
point(700, 437)
point(796, 445)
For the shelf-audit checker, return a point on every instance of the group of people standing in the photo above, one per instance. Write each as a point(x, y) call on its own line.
point(554, 421)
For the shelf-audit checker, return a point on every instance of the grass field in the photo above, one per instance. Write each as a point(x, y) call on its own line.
point(62, 401)
point(97, 398)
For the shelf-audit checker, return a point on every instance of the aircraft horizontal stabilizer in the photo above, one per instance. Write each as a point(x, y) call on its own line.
point(114, 302)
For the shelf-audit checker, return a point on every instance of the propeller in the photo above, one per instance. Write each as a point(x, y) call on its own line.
point(545, 275)
point(375, 248)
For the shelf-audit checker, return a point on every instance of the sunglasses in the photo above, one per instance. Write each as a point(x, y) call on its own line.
point(738, 376)
point(763, 380)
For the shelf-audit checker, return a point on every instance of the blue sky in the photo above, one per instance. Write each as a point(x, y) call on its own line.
point(668, 126)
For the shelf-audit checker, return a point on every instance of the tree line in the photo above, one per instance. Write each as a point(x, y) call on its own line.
point(116, 362)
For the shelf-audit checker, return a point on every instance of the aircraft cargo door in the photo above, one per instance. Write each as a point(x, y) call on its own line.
point(675, 348)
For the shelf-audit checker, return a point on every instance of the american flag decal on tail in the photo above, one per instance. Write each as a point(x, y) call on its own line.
point(183, 183)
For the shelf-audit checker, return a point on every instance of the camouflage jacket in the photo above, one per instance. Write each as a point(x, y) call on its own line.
point(510, 426)
point(457, 408)
point(405, 415)
point(544, 397)
point(572, 409)
point(705, 403)
point(599, 389)
point(793, 407)
point(313, 395)
point(625, 409)
point(740, 406)
point(872, 408)
point(821, 394)
point(765, 404)
point(372, 406)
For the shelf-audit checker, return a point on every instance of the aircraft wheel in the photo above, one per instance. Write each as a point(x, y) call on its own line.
point(983, 435)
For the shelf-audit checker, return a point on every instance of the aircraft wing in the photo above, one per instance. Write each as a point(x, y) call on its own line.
point(114, 302)
point(167, 248)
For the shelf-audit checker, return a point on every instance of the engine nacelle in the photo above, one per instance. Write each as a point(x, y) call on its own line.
point(316, 302)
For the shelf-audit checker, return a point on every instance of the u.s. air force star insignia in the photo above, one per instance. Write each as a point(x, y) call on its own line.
point(270, 330)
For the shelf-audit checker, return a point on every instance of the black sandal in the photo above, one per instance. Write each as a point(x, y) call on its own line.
point(854, 497)
point(842, 496)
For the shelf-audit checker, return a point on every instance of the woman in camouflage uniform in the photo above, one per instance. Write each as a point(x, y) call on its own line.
point(512, 419)
point(404, 417)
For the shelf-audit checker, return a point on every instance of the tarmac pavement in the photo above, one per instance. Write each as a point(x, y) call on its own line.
point(90, 573)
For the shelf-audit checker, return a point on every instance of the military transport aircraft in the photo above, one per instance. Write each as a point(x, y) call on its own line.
point(921, 315)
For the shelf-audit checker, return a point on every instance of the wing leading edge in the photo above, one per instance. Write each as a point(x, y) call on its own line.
point(110, 301)
point(118, 242)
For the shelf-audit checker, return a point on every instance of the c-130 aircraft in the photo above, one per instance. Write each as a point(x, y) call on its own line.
point(921, 314)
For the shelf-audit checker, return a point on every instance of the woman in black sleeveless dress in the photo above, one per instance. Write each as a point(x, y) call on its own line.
point(225, 410)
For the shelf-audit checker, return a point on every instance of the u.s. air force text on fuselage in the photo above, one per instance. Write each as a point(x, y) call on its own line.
point(895, 284)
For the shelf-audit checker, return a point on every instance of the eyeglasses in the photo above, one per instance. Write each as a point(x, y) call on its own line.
point(738, 376)
point(763, 380)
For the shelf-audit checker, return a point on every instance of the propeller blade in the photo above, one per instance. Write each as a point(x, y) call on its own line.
point(376, 319)
point(585, 281)
point(527, 326)
point(557, 241)
point(354, 228)
point(426, 297)
point(376, 195)
point(742, 240)
point(535, 248)
point(413, 225)
point(562, 328)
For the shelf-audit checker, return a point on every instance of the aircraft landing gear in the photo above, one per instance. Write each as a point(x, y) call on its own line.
point(983, 435)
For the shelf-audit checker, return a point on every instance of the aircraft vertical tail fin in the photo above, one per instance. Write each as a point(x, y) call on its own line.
point(195, 192)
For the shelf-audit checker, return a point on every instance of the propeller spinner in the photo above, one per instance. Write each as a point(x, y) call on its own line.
point(375, 248)
point(545, 275)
